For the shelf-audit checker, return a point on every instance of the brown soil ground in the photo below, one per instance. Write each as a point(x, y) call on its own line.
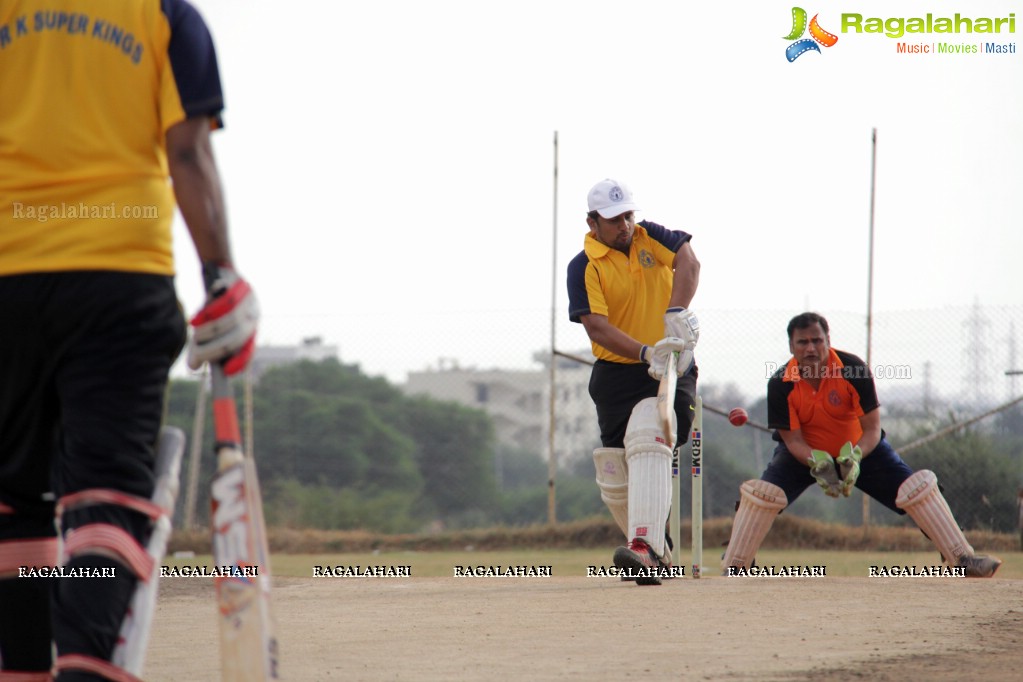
point(577, 628)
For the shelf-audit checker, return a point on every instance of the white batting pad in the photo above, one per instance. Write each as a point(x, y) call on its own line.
point(649, 462)
point(759, 503)
point(920, 497)
point(613, 481)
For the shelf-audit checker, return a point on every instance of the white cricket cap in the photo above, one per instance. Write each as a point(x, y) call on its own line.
point(611, 198)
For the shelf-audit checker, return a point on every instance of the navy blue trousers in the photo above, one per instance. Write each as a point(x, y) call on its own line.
point(881, 474)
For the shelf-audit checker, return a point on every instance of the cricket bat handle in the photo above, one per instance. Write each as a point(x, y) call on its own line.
point(666, 399)
point(227, 433)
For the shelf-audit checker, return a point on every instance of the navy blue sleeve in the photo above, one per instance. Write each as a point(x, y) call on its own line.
point(671, 239)
point(193, 60)
point(856, 372)
point(578, 299)
point(778, 413)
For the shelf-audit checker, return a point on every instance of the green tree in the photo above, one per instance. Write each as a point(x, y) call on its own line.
point(338, 449)
point(337, 440)
point(978, 479)
point(454, 451)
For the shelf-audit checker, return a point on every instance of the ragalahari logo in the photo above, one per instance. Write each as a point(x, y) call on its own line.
point(817, 35)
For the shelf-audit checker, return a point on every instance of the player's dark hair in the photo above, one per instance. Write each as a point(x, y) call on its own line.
point(804, 320)
point(592, 215)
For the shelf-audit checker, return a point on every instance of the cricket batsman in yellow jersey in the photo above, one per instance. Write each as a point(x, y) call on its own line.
point(630, 288)
point(102, 104)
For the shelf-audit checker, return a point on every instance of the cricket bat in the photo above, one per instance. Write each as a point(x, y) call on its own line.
point(666, 413)
point(248, 641)
point(666, 399)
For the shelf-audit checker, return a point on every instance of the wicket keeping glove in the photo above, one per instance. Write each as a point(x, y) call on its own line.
point(225, 329)
point(849, 466)
point(657, 357)
point(822, 466)
point(682, 324)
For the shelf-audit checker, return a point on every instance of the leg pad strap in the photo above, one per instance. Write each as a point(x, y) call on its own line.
point(115, 541)
point(16, 676)
point(94, 666)
point(107, 537)
point(29, 552)
point(92, 496)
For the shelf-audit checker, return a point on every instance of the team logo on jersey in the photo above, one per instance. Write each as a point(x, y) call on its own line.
point(646, 259)
point(817, 35)
point(834, 398)
point(616, 194)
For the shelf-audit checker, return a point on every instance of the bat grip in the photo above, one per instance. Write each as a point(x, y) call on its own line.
point(221, 384)
point(225, 412)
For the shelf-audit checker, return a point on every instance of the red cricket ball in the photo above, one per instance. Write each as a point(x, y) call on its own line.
point(738, 416)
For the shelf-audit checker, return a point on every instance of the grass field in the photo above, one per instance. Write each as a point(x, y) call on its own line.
point(569, 563)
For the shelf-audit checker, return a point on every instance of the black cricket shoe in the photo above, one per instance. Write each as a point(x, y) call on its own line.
point(638, 561)
point(979, 566)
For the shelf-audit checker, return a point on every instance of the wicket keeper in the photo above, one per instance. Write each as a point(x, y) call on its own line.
point(824, 409)
point(631, 287)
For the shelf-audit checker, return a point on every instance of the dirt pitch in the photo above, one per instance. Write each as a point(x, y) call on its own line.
point(577, 628)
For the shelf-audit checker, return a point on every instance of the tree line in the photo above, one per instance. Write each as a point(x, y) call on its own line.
point(337, 449)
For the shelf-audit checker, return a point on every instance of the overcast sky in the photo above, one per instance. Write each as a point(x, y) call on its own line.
point(388, 166)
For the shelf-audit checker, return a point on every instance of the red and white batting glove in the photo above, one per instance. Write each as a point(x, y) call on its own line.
point(683, 324)
point(225, 329)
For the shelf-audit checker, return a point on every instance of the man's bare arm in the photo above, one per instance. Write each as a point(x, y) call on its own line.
point(603, 333)
point(197, 188)
point(796, 445)
point(871, 425)
point(687, 277)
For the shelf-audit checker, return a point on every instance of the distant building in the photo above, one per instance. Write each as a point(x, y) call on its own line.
point(513, 399)
point(518, 403)
point(576, 433)
point(312, 348)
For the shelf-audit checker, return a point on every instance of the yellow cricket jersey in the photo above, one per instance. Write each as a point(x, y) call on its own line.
point(632, 290)
point(88, 89)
